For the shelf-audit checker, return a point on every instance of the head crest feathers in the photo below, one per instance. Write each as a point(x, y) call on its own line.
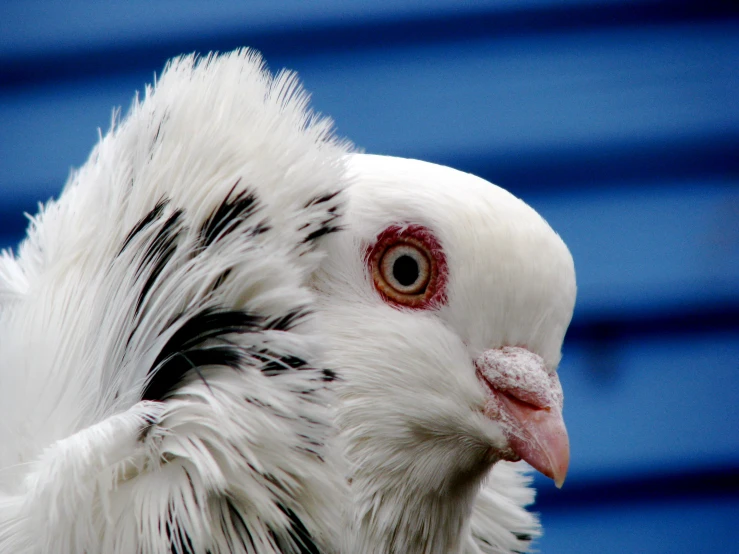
point(156, 340)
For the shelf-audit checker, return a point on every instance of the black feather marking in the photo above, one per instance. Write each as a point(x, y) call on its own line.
point(309, 440)
point(523, 536)
point(324, 229)
point(159, 252)
point(322, 199)
point(310, 420)
point(156, 137)
point(166, 378)
point(158, 134)
point(328, 225)
point(186, 349)
point(259, 228)
point(196, 369)
point(287, 321)
point(149, 423)
point(239, 523)
point(329, 375)
point(298, 533)
point(229, 214)
point(179, 541)
point(154, 214)
point(280, 364)
point(221, 279)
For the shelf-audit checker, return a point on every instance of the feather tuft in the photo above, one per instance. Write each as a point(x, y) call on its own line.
point(160, 392)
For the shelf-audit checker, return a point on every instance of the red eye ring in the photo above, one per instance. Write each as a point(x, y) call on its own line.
point(403, 243)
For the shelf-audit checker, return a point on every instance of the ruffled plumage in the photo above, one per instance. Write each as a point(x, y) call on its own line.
point(158, 384)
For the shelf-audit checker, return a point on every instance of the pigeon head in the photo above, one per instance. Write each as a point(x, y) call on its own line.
point(446, 300)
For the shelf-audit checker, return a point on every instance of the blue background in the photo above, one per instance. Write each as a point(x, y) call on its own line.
point(617, 120)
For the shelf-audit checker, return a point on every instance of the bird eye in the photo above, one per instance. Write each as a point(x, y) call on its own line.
point(408, 267)
point(405, 268)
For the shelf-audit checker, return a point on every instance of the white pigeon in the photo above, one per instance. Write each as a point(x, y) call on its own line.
point(444, 302)
point(230, 334)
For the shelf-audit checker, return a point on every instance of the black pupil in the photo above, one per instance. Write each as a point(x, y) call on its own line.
point(405, 270)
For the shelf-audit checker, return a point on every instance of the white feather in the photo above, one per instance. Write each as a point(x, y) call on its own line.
point(88, 467)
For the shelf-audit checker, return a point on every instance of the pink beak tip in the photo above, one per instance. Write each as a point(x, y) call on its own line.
point(559, 479)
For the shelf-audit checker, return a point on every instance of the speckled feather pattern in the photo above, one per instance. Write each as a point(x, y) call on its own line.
point(156, 340)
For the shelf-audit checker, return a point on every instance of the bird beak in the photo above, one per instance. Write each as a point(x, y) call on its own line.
point(527, 401)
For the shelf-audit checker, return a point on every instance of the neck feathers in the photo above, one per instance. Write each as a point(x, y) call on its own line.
point(414, 493)
point(422, 491)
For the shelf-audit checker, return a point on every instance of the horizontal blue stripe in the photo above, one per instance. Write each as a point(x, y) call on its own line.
point(631, 487)
point(643, 406)
point(675, 526)
point(43, 41)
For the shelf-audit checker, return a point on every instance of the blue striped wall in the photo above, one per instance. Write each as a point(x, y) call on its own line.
point(617, 120)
